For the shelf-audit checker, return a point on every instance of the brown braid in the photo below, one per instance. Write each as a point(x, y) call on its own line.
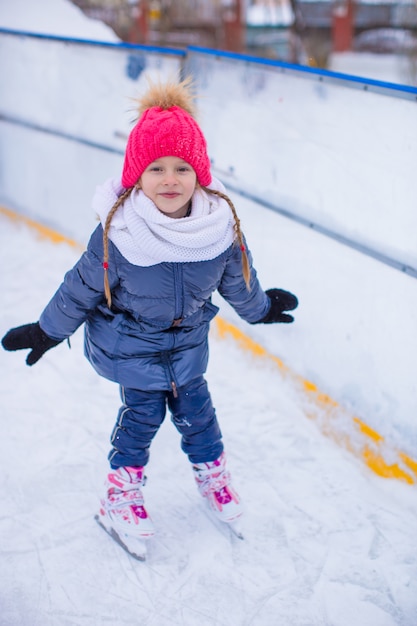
point(239, 234)
point(109, 218)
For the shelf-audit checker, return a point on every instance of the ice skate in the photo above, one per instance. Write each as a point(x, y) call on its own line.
point(122, 512)
point(214, 483)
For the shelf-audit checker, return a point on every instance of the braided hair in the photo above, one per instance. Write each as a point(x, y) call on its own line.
point(238, 233)
point(106, 229)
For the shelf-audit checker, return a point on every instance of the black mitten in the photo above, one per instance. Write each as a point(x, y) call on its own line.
point(29, 336)
point(280, 301)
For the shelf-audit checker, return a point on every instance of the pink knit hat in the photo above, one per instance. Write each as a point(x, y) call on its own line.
point(162, 132)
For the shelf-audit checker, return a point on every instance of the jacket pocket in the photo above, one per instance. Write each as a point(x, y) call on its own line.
point(204, 315)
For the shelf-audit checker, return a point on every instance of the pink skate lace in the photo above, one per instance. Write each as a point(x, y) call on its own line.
point(214, 483)
point(126, 494)
point(212, 477)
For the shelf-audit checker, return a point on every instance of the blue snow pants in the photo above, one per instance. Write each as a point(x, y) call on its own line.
point(143, 412)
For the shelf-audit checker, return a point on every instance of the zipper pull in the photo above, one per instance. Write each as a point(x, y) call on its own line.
point(174, 389)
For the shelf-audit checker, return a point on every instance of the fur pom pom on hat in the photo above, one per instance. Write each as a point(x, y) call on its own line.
point(166, 127)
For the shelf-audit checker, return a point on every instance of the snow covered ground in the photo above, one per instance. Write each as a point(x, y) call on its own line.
point(327, 543)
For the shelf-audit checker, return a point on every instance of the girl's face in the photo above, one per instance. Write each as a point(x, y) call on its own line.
point(169, 182)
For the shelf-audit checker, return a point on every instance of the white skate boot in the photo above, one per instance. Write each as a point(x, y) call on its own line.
point(214, 483)
point(122, 513)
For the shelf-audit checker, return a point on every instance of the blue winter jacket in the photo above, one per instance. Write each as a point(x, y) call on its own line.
point(135, 343)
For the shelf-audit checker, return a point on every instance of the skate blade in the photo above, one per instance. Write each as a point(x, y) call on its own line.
point(234, 525)
point(235, 528)
point(134, 546)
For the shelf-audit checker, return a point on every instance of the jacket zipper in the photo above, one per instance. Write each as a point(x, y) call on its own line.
point(173, 385)
point(178, 309)
point(178, 291)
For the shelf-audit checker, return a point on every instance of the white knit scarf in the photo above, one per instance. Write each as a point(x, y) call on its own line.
point(145, 236)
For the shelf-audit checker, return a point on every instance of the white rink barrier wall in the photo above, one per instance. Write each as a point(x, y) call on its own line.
point(334, 154)
point(337, 153)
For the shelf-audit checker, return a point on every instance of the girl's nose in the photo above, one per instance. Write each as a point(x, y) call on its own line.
point(170, 178)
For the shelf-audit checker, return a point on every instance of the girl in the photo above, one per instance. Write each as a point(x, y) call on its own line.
point(169, 237)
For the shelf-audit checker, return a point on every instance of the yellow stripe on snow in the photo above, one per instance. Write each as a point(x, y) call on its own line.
point(43, 231)
point(334, 421)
